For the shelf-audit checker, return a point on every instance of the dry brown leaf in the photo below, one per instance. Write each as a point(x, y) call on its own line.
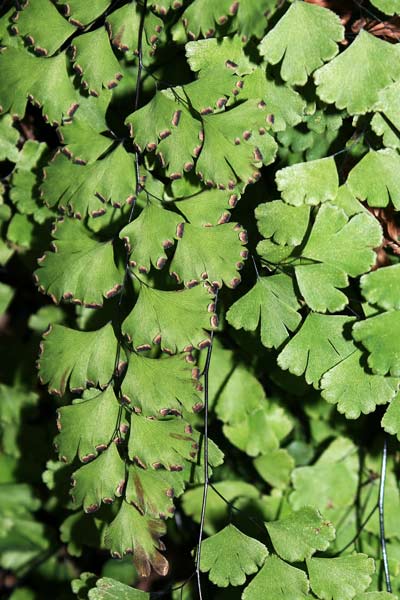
point(388, 219)
point(388, 30)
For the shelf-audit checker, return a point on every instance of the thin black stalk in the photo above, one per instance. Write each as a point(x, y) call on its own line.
point(257, 522)
point(117, 363)
point(137, 153)
point(381, 507)
point(372, 14)
point(357, 535)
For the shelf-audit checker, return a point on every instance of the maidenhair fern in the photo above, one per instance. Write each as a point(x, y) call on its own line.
point(206, 195)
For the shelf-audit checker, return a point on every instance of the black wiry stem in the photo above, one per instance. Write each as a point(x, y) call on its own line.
point(357, 535)
point(138, 187)
point(205, 458)
point(372, 14)
point(137, 98)
point(117, 374)
point(382, 517)
point(257, 522)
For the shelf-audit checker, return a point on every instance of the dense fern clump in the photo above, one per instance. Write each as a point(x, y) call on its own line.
point(199, 208)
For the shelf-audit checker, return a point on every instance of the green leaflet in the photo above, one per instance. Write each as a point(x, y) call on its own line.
point(308, 183)
point(314, 142)
point(86, 189)
point(327, 297)
point(340, 578)
point(83, 143)
point(251, 422)
point(152, 492)
point(84, 137)
point(354, 388)
point(338, 247)
point(318, 346)
point(92, 111)
point(259, 431)
point(87, 426)
point(30, 22)
point(110, 589)
point(275, 467)
point(300, 535)
point(330, 485)
point(99, 481)
point(269, 579)
point(5, 213)
point(77, 359)
point(124, 23)
point(274, 253)
point(24, 193)
point(149, 235)
point(20, 528)
point(324, 120)
point(212, 253)
point(391, 419)
point(207, 207)
point(82, 270)
point(6, 37)
point(160, 387)
point(209, 94)
point(273, 300)
point(21, 231)
point(82, 14)
point(378, 66)
point(284, 223)
point(95, 74)
point(220, 554)
point(204, 56)
point(8, 139)
point(382, 287)
point(303, 39)
point(345, 244)
point(378, 335)
point(252, 17)
point(238, 136)
point(83, 523)
point(19, 498)
point(166, 125)
point(14, 401)
point(162, 443)
point(154, 318)
point(347, 202)
point(44, 317)
point(384, 186)
point(133, 533)
point(285, 106)
point(389, 7)
point(231, 380)
point(193, 471)
point(204, 16)
point(46, 80)
point(6, 294)
point(387, 109)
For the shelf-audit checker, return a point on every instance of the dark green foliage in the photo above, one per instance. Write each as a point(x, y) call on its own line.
point(131, 133)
